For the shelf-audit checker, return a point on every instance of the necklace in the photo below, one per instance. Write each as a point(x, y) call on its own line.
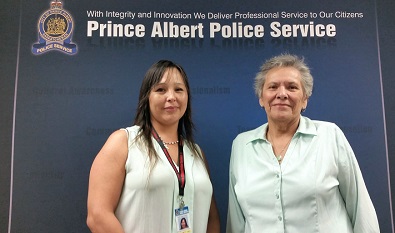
point(166, 144)
point(169, 143)
point(280, 156)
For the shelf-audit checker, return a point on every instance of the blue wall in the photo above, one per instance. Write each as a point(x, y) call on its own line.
point(67, 105)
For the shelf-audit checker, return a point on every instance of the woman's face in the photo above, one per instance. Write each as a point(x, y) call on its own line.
point(183, 224)
point(168, 99)
point(283, 95)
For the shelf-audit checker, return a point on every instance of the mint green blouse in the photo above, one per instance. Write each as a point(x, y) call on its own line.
point(317, 188)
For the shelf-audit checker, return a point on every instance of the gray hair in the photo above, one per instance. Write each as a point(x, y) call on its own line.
point(285, 60)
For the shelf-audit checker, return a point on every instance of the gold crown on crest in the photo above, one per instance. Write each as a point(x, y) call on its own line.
point(56, 4)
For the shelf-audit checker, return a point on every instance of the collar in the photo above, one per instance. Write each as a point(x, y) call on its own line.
point(306, 127)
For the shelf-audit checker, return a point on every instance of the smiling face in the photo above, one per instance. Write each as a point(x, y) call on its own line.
point(184, 223)
point(283, 95)
point(168, 99)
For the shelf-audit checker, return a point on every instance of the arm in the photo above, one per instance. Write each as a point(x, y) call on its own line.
point(213, 224)
point(236, 221)
point(105, 184)
point(352, 187)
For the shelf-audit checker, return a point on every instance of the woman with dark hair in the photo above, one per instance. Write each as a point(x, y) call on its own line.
point(148, 174)
point(183, 224)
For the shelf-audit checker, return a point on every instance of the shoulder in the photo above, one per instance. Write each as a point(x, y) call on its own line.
point(114, 151)
point(327, 127)
point(324, 124)
point(117, 140)
point(323, 129)
point(132, 131)
point(318, 125)
point(251, 135)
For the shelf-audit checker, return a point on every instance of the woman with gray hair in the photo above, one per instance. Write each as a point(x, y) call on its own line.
point(293, 174)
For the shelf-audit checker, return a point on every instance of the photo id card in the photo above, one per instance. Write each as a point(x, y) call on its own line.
point(182, 219)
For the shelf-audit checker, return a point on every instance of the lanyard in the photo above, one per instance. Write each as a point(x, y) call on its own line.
point(180, 174)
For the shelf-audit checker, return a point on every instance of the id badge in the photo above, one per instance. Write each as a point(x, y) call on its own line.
point(182, 219)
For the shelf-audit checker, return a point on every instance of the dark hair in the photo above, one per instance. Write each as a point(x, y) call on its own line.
point(186, 223)
point(143, 118)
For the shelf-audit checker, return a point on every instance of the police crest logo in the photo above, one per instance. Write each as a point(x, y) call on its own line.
point(55, 29)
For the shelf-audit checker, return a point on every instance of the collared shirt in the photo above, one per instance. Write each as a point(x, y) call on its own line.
point(317, 188)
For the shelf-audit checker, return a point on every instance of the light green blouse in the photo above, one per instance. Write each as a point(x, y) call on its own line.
point(317, 188)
